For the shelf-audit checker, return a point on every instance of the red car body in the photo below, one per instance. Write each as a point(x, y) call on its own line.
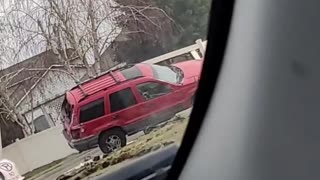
point(145, 106)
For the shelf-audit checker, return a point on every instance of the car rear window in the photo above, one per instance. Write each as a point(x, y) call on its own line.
point(122, 99)
point(66, 111)
point(92, 110)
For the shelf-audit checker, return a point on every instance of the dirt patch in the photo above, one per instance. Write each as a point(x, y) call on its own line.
point(170, 133)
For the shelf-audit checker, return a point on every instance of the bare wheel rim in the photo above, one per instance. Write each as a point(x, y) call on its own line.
point(113, 143)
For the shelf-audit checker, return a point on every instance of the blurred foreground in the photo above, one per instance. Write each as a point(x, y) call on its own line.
point(74, 167)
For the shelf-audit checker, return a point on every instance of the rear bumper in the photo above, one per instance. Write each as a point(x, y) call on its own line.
point(83, 144)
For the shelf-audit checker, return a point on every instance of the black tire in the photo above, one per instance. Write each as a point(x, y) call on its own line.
point(147, 130)
point(116, 135)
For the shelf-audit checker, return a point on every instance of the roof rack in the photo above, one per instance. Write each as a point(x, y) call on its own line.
point(114, 77)
point(110, 71)
point(82, 91)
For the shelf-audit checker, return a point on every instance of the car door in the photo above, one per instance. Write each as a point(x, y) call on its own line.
point(159, 99)
point(124, 109)
point(91, 116)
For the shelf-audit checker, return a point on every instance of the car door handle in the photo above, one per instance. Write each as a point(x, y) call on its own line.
point(115, 116)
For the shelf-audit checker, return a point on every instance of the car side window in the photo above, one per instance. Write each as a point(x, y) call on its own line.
point(122, 99)
point(92, 110)
point(150, 90)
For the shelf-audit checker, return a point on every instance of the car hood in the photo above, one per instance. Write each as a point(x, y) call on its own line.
point(191, 70)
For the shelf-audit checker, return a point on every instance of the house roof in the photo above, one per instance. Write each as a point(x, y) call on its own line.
point(26, 73)
point(40, 61)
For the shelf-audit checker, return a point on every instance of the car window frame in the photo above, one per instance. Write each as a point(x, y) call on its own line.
point(117, 89)
point(89, 102)
point(171, 86)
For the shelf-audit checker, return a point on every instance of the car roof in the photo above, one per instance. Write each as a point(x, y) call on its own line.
point(107, 80)
point(95, 85)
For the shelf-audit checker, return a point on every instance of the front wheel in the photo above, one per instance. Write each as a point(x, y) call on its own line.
point(112, 140)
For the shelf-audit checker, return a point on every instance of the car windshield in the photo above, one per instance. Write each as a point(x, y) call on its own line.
point(169, 74)
point(87, 85)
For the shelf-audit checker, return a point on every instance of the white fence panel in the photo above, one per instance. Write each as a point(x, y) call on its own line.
point(38, 150)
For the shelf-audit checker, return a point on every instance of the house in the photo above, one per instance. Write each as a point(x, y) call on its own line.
point(38, 86)
point(39, 83)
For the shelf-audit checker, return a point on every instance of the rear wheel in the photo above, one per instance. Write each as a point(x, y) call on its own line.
point(147, 130)
point(112, 140)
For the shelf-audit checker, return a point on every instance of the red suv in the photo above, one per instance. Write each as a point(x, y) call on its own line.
point(104, 110)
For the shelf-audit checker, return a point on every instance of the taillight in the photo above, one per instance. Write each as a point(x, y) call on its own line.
point(75, 134)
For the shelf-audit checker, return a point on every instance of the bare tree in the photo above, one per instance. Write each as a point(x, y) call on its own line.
point(86, 26)
point(8, 110)
point(58, 25)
